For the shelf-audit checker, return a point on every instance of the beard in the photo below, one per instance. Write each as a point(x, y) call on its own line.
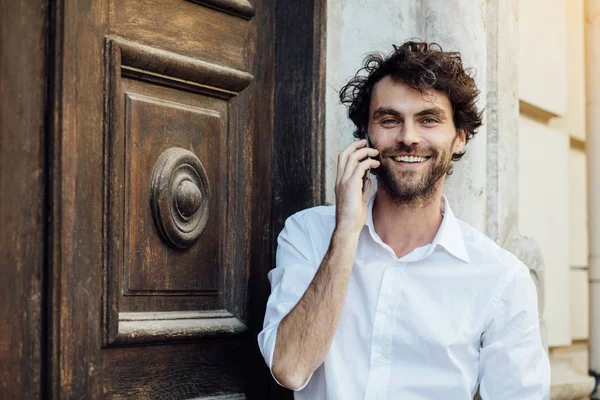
point(411, 186)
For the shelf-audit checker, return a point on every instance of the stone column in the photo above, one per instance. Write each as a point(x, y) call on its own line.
point(502, 118)
point(484, 188)
point(592, 39)
point(352, 33)
point(459, 25)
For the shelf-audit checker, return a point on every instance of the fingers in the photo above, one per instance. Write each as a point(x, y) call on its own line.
point(355, 158)
point(348, 160)
point(362, 168)
point(343, 156)
point(353, 163)
point(354, 182)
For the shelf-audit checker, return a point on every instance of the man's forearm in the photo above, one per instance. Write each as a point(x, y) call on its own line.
point(305, 334)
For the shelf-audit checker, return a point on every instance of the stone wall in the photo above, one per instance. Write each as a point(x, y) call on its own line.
point(524, 167)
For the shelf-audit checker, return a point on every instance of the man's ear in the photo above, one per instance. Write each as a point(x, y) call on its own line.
point(461, 140)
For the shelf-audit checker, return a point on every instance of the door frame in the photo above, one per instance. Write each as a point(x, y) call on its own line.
point(298, 158)
point(23, 196)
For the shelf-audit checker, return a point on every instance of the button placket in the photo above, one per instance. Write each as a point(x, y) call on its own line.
point(382, 336)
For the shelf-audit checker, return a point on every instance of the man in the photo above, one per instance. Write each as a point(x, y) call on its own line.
point(393, 297)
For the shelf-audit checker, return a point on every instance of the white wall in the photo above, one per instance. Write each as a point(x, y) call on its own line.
point(533, 177)
point(543, 215)
point(358, 27)
point(552, 84)
point(459, 25)
point(542, 56)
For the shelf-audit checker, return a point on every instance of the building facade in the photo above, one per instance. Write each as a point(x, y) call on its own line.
point(524, 179)
point(102, 100)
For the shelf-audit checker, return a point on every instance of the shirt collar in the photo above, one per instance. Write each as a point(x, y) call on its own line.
point(449, 235)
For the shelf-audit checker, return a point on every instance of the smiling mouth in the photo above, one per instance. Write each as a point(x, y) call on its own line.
point(410, 159)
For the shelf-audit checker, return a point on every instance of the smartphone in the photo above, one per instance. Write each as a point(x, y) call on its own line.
point(366, 177)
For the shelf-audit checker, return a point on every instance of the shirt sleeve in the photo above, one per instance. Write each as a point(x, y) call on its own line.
point(513, 361)
point(294, 271)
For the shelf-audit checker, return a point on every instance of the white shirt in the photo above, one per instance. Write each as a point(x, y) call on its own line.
point(437, 323)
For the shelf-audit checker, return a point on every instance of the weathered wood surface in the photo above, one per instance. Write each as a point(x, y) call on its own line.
point(183, 27)
point(23, 69)
point(299, 108)
point(134, 79)
point(299, 125)
point(75, 184)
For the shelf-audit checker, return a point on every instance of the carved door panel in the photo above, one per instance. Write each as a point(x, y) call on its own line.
point(169, 161)
point(159, 106)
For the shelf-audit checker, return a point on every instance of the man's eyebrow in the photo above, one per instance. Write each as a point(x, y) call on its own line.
point(381, 111)
point(435, 111)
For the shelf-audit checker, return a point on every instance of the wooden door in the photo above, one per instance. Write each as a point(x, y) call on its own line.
point(163, 179)
point(23, 69)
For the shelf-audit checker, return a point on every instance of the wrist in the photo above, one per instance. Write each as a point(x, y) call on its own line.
point(345, 237)
point(346, 227)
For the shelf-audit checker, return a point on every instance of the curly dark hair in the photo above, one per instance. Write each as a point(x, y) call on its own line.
point(422, 66)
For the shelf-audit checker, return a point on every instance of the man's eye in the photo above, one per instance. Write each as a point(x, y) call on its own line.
point(388, 122)
point(429, 121)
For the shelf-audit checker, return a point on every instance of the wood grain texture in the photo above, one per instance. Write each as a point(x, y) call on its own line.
point(185, 371)
point(23, 70)
point(241, 8)
point(299, 108)
point(77, 193)
point(143, 121)
point(151, 127)
point(88, 198)
point(298, 146)
point(258, 178)
point(184, 28)
point(163, 327)
point(155, 65)
point(236, 396)
point(257, 130)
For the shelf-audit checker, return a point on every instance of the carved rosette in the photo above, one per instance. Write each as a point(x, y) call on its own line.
point(179, 197)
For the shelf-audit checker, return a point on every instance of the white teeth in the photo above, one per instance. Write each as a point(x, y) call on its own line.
point(410, 159)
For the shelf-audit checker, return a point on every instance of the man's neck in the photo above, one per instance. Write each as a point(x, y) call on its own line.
point(404, 227)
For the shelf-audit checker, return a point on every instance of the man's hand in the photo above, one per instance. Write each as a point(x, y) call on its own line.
point(351, 208)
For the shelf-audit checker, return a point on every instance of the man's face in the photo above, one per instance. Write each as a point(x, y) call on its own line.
point(416, 137)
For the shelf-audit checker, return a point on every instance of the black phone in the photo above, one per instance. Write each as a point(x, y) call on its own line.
point(366, 177)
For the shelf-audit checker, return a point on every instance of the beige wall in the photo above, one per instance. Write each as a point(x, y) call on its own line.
point(351, 35)
point(572, 120)
point(543, 215)
point(578, 245)
point(553, 207)
point(542, 61)
point(353, 31)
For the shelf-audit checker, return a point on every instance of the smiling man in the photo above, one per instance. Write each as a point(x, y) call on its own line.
point(393, 297)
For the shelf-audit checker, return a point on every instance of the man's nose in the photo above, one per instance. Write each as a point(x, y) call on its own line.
point(408, 134)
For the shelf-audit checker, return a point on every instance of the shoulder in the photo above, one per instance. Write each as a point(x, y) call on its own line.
point(309, 230)
point(313, 219)
point(510, 285)
point(485, 254)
